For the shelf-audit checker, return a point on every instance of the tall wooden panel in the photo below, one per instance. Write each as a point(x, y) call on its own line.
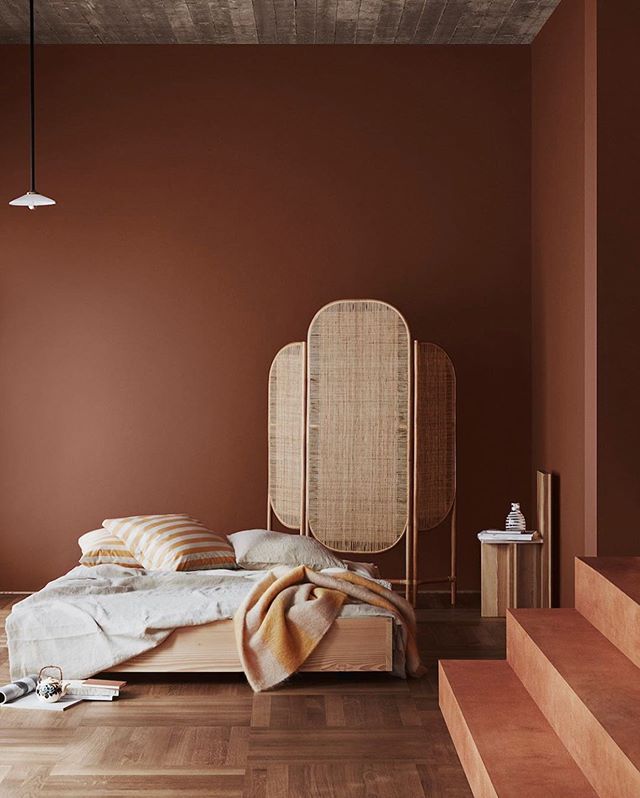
point(358, 426)
point(544, 486)
point(286, 436)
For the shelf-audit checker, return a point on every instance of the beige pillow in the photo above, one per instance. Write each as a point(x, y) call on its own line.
point(175, 542)
point(258, 549)
point(100, 547)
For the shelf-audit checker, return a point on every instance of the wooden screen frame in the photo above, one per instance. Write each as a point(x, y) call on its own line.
point(407, 532)
point(448, 512)
point(411, 530)
point(272, 509)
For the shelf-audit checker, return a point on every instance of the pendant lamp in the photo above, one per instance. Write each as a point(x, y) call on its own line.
point(32, 199)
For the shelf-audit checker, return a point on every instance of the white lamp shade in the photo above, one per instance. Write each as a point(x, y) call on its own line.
point(32, 200)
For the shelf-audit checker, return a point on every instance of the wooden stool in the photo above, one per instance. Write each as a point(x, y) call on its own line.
point(519, 573)
point(511, 576)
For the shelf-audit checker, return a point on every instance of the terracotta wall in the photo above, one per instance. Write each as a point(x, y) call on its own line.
point(210, 201)
point(618, 278)
point(564, 273)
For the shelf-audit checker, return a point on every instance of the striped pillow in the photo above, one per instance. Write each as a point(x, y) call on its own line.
point(100, 547)
point(172, 542)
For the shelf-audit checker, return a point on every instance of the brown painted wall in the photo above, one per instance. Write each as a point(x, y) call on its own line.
point(618, 278)
point(211, 199)
point(563, 272)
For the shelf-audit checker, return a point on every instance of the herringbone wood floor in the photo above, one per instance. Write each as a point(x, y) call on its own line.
point(333, 736)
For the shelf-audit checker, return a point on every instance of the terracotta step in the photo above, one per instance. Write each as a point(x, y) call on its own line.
point(588, 691)
point(505, 745)
point(608, 595)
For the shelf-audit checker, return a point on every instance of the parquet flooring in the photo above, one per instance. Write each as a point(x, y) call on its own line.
point(321, 736)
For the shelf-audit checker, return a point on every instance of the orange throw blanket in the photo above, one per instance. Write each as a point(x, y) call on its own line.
point(288, 613)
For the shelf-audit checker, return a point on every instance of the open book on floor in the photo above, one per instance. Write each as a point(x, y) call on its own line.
point(31, 701)
point(20, 693)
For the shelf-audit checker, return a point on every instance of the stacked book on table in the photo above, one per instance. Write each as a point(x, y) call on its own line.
point(507, 536)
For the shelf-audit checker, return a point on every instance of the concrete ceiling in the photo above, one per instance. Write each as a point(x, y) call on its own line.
point(277, 21)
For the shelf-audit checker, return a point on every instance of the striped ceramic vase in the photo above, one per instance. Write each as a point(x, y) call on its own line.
point(515, 520)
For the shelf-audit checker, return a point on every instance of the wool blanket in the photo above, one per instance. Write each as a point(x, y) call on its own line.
point(286, 615)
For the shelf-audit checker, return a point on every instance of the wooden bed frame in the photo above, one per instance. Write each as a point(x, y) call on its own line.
point(352, 644)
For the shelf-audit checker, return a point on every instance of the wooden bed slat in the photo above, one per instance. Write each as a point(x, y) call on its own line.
point(352, 644)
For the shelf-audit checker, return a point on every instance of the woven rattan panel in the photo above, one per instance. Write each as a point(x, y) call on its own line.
point(358, 409)
point(286, 434)
point(435, 434)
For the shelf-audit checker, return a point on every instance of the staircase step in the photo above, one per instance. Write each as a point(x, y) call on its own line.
point(505, 745)
point(588, 691)
point(608, 595)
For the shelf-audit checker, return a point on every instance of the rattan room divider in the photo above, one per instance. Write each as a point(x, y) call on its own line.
point(362, 436)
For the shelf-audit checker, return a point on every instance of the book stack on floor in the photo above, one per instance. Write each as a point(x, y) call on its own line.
point(20, 694)
point(94, 689)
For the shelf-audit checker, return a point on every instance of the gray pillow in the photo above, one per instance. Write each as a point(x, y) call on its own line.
point(259, 549)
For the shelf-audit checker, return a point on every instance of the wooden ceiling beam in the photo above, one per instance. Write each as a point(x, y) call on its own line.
point(277, 21)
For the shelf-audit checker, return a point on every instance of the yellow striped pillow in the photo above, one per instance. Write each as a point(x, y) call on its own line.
point(172, 542)
point(100, 547)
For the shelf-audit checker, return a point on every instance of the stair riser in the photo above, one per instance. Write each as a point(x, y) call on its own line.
point(502, 737)
point(600, 759)
point(609, 609)
point(471, 761)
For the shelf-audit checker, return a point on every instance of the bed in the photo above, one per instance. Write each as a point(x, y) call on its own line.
point(125, 620)
point(361, 435)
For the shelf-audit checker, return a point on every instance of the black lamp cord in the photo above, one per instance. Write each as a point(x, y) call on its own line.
point(32, 102)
